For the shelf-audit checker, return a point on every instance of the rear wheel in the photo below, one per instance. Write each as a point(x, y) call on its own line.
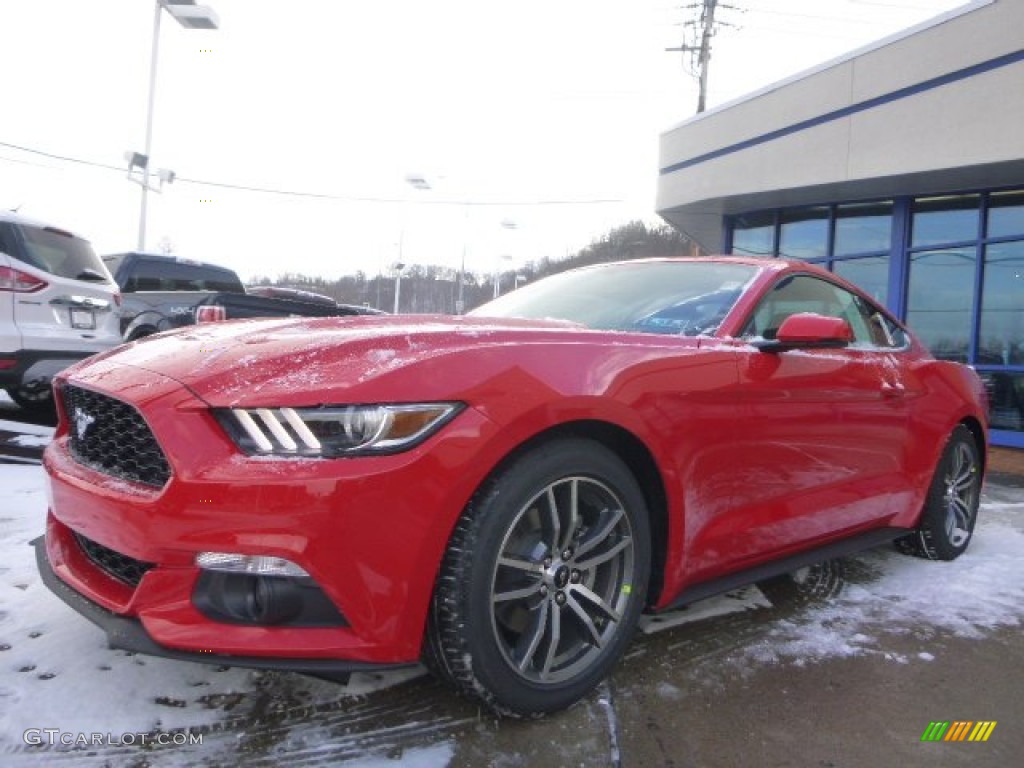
point(951, 508)
point(543, 581)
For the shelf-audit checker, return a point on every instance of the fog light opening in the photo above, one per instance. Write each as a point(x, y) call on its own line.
point(258, 599)
point(273, 600)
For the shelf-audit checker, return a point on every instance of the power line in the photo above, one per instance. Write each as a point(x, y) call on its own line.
point(315, 195)
point(64, 158)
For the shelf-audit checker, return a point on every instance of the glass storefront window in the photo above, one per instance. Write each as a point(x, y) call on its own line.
point(1005, 399)
point(1006, 214)
point(804, 234)
point(1001, 334)
point(870, 274)
point(939, 300)
point(945, 220)
point(863, 228)
point(754, 234)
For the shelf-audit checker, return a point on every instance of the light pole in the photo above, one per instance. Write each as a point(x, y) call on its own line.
point(398, 267)
point(191, 16)
point(508, 225)
point(460, 303)
point(421, 182)
point(497, 273)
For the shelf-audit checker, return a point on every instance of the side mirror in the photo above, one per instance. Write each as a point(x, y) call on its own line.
point(808, 331)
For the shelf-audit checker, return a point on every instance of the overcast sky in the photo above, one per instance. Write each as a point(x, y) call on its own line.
point(545, 113)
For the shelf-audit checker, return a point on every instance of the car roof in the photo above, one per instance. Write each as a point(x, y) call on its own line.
point(13, 217)
point(766, 263)
point(167, 258)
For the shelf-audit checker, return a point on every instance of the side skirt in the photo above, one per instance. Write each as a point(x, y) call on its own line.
point(830, 551)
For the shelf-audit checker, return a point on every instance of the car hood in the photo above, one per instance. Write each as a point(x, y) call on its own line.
point(312, 361)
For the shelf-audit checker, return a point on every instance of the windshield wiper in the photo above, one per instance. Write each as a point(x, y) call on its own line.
point(92, 275)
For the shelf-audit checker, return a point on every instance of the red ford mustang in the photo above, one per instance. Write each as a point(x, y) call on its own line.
point(500, 494)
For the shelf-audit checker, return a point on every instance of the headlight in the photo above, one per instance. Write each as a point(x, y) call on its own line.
point(334, 431)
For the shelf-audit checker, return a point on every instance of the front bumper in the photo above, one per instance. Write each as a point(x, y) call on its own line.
point(369, 532)
point(126, 633)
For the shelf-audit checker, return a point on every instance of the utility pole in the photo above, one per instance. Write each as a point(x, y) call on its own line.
point(707, 20)
point(701, 29)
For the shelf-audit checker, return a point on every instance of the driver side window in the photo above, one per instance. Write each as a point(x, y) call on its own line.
point(803, 293)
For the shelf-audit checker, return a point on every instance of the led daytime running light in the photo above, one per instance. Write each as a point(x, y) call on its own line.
point(334, 431)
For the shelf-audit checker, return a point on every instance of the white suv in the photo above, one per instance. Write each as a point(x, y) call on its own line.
point(58, 304)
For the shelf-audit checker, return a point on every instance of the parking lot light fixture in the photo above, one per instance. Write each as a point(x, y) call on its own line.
point(190, 16)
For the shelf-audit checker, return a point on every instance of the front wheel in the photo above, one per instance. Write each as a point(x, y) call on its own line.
point(951, 508)
point(543, 581)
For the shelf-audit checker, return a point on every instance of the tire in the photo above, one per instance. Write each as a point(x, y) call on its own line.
point(35, 403)
point(951, 507)
point(141, 333)
point(543, 581)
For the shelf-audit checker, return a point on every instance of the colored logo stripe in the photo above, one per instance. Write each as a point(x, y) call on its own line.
point(982, 731)
point(958, 730)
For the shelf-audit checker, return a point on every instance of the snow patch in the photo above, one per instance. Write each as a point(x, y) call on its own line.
point(25, 429)
point(745, 599)
point(30, 441)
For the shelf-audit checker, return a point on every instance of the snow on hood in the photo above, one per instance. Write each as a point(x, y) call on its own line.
point(281, 361)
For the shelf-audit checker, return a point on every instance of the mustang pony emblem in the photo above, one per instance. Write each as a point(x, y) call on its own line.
point(82, 422)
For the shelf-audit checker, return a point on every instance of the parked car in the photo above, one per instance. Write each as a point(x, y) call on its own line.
point(502, 493)
point(58, 304)
point(298, 294)
point(162, 292)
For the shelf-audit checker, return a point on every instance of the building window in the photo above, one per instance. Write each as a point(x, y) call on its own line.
point(940, 299)
point(1001, 331)
point(944, 220)
point(754, 234)
point(803, 233)
point(1006, 214)
point(1005, 400)
point(863, 228)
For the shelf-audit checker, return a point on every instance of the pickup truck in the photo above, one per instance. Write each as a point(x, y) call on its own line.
point(162, 292)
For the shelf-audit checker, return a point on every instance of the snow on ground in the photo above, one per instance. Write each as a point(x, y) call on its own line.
point(56, 671)
point(894, 594)
point(37, 435)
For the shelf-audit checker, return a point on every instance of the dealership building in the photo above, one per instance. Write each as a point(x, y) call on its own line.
point(899, 167)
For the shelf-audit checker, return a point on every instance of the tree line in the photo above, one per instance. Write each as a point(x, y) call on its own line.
point(435, 289)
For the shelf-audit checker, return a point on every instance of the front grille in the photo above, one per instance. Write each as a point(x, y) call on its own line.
point(112, 437)
point(125, 569)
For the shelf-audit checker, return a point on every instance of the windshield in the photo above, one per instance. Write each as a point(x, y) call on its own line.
point(687, 298)
point(62, 254)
